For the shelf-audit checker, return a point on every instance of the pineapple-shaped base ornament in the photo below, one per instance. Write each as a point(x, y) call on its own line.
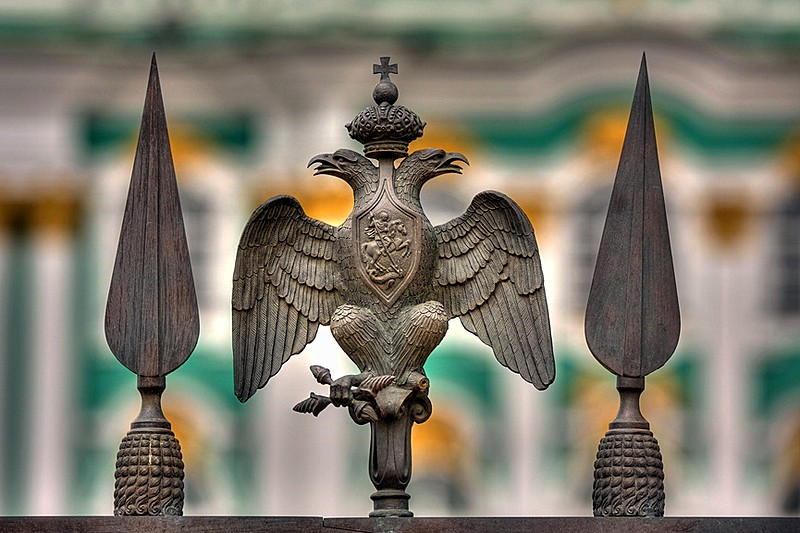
point(149, 473)
point(628, 472)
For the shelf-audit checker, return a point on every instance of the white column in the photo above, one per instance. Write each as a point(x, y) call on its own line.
point(727, 393)
point(524, 418)
point(305, 459)
point(52, 370)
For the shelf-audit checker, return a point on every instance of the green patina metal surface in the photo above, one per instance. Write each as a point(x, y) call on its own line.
point(16, 372)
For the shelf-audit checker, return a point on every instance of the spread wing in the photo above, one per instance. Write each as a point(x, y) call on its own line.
point(489, 274)
point(283, 289)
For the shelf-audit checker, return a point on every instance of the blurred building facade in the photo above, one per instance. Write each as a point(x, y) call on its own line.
point(536, 96)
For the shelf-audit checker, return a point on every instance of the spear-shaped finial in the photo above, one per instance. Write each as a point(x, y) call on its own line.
point(632, 317)
point(152, 322)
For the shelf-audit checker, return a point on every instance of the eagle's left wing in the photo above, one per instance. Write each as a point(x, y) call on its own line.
point(283, 289)
point(489, 274)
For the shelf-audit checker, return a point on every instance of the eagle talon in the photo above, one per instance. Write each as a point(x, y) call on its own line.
point(362, 412)
point(372, 386)
point(343, 389)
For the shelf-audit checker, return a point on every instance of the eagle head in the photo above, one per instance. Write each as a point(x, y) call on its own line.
point(423, 165)
point(347, 165)
point(433, 162)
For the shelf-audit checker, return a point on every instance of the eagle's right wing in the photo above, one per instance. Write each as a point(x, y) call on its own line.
point(489, 274)
point(283, 289)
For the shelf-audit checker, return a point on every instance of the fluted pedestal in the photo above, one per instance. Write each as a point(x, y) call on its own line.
point(390, 457)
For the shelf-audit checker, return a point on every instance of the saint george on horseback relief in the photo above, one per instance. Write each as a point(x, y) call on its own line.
point(387, 281)
point(384, 247)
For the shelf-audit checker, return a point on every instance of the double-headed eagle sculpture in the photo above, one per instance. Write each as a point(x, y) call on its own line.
point(387, 281)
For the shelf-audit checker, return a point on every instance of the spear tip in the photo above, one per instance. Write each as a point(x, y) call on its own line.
point(152, 320)
point(632, 317)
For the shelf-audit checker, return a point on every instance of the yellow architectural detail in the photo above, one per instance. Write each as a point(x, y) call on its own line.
point(445, 135)
point(728, 220)
point(539, 207)
point(440, 448)
point(57, 209)
point(791, 160)
point(604, 132)
point(323, 197)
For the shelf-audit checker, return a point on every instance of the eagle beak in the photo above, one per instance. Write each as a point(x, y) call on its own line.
point(449, 163)
point(327, 165)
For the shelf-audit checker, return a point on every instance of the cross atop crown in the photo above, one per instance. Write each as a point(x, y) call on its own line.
point(384, 69)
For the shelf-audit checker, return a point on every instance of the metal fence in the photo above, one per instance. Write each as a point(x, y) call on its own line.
point(387, 282)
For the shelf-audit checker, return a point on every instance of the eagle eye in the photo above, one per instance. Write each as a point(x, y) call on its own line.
point(431, 153)
point(344, 156)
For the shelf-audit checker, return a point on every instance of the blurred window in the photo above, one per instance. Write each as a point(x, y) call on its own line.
point(589, 217)
point(198, 215)
point(787, 297)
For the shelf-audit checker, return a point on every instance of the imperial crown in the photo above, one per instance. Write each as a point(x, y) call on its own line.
point(385, 128)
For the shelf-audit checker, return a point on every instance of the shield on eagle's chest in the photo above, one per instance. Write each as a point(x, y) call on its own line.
point(388, 236)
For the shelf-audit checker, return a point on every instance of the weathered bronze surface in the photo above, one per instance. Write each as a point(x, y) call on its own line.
point(152, 322)
point(574, 524)
point(387, 281)
point(632, 317)
point(163, 524)
point(314, 524)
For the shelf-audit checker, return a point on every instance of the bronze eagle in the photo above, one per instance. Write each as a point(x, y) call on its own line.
point(387, 282)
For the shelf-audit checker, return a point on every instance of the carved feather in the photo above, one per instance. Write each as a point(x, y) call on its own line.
point(425, 328)
point(283, 288)
point(489, 274)
point(361, 335)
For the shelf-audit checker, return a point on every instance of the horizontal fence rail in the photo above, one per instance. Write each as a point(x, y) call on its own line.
point(310, 524)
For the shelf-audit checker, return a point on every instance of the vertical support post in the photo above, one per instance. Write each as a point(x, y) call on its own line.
point(52, 367)
point(390, 465)
point(390, 450)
